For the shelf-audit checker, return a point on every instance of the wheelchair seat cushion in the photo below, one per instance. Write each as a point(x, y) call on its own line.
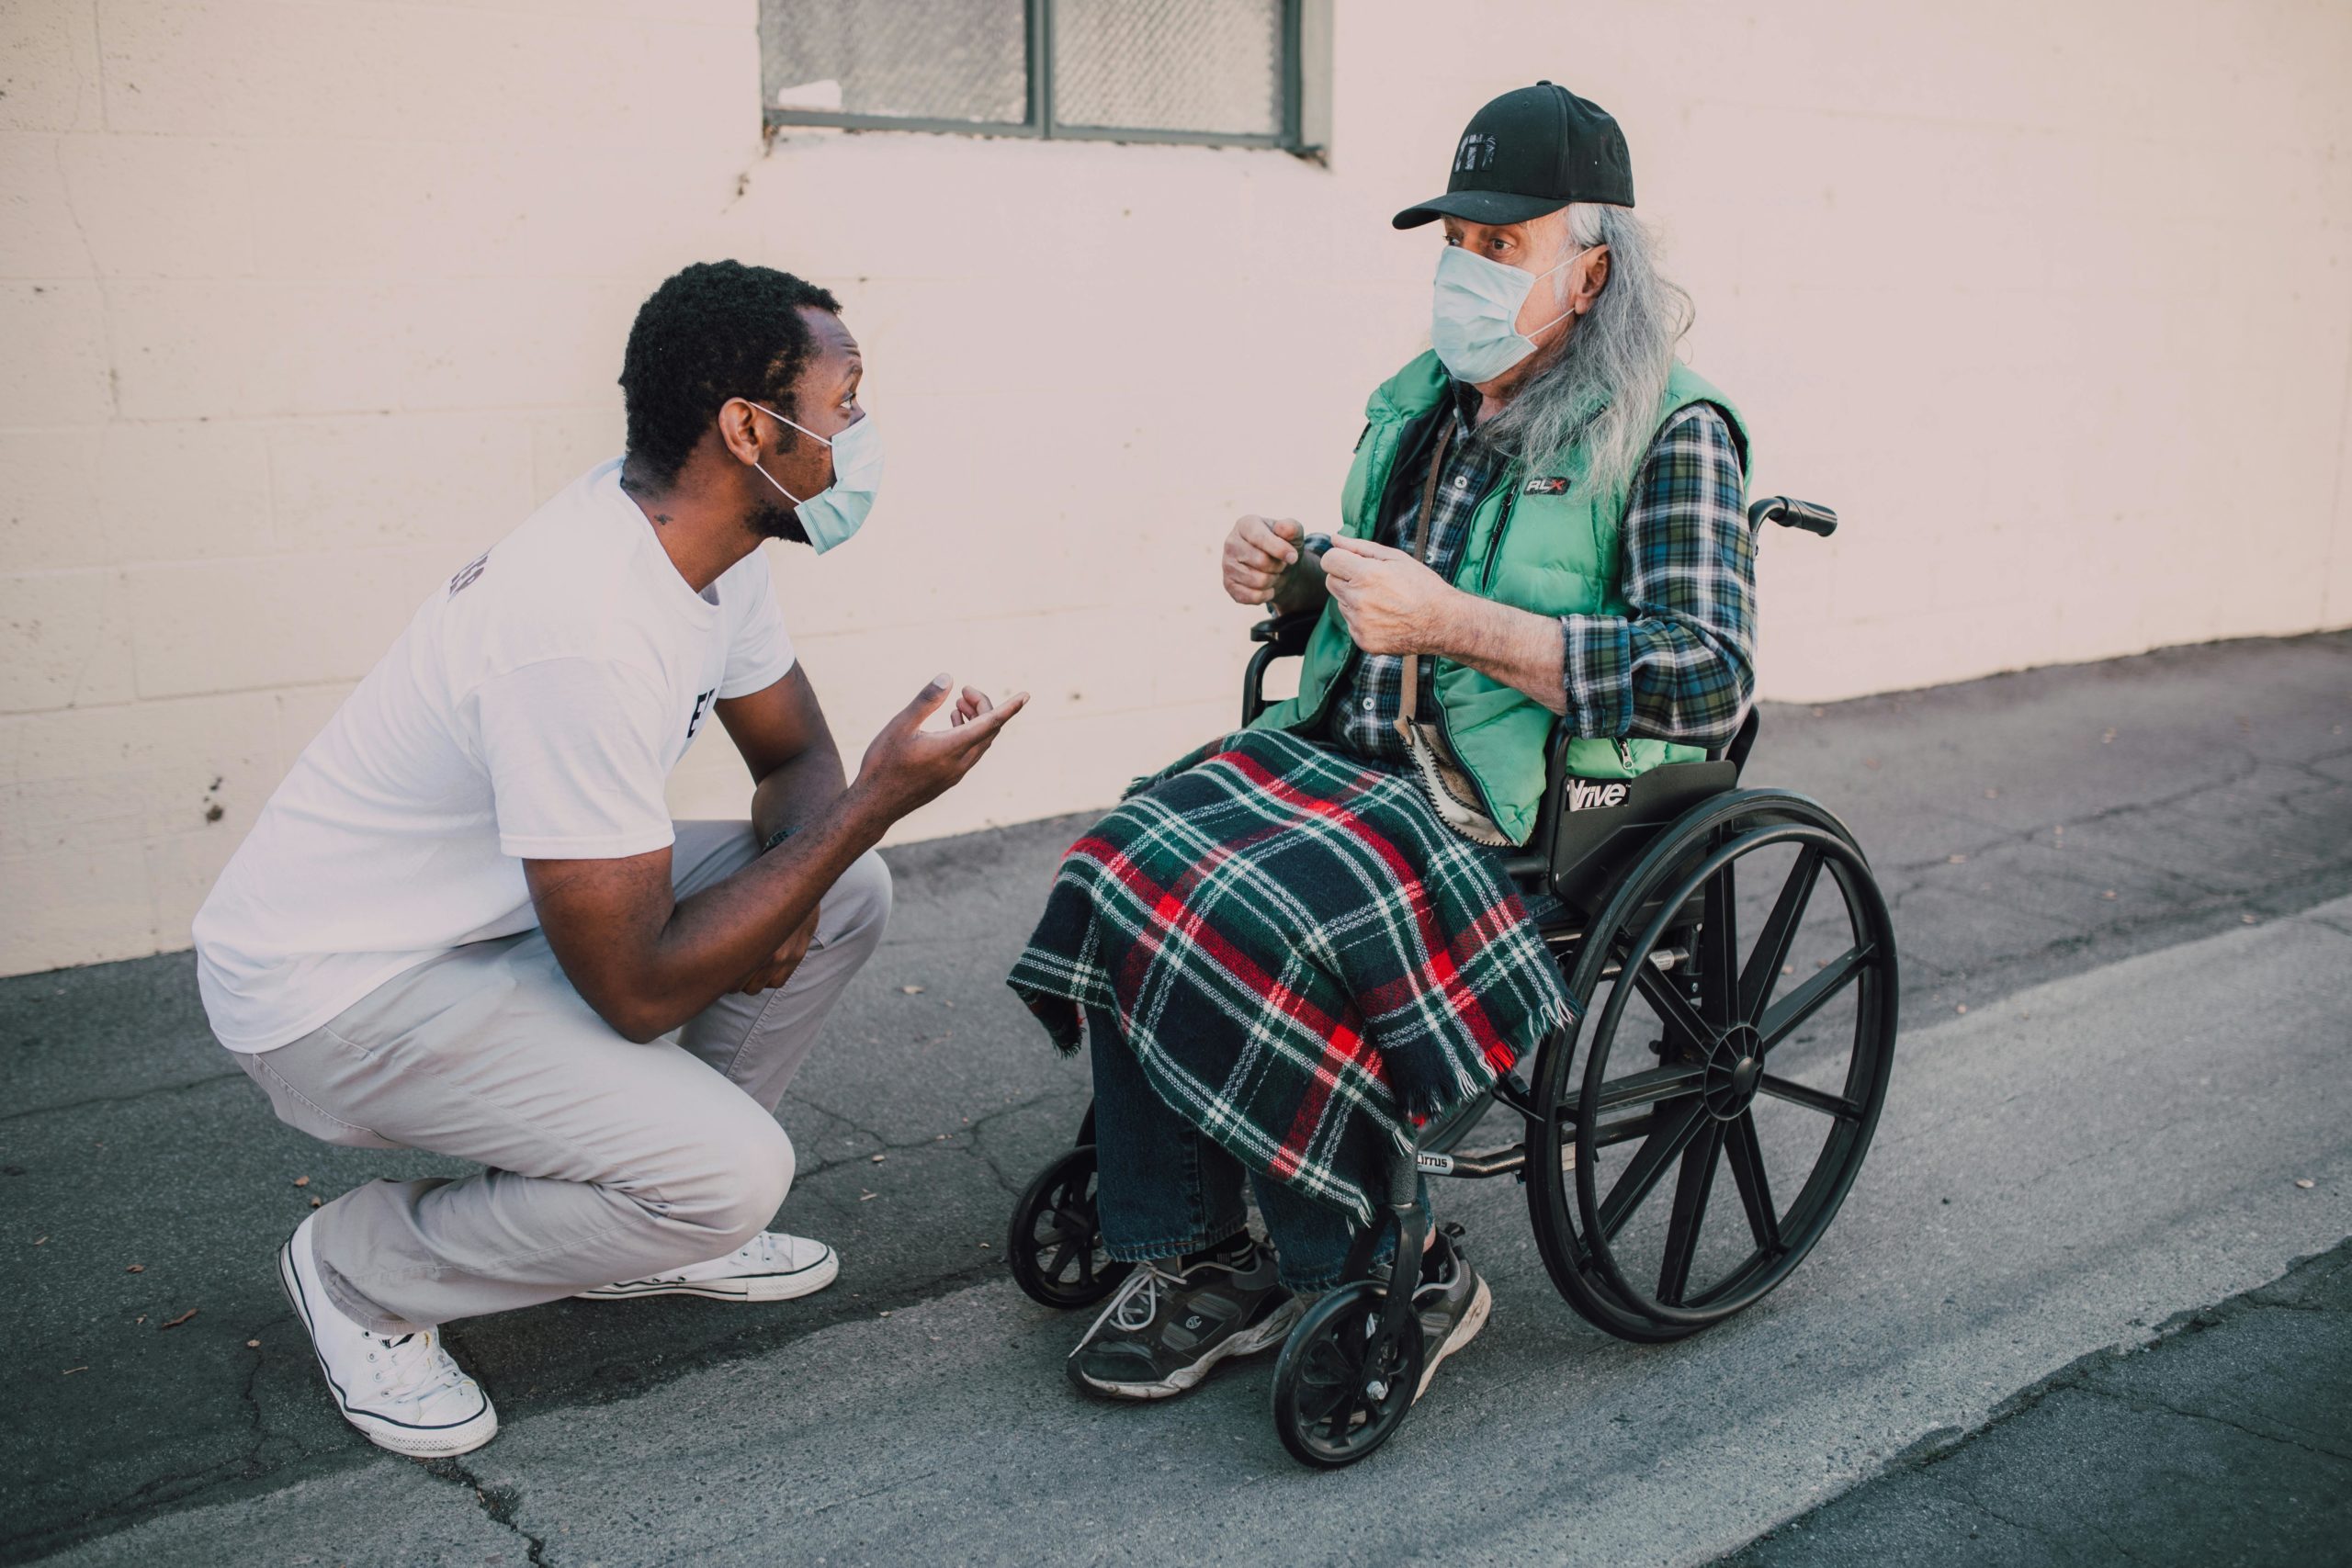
point(1302, 958)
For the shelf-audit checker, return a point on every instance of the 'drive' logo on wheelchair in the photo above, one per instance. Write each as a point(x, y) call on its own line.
point(1593, 795)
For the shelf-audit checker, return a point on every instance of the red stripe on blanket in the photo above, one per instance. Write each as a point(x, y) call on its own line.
point(1351, 1048)
point(1440, 971)
point(1489, 925)
point(1343, 1046)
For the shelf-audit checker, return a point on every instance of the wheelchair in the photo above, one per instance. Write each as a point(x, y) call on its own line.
point(1692, 1053)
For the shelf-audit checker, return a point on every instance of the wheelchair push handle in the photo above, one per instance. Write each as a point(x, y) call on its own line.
point(1790, 513)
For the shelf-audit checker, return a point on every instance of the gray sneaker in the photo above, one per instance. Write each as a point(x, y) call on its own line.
point(1173, 1321)
point(1453, 1302)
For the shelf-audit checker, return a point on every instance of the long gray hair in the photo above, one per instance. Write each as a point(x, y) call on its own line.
point(1604, 379)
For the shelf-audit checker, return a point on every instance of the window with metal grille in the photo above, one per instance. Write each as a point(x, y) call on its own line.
point(1230, 72)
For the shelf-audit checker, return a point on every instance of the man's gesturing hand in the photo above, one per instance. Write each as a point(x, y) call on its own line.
point(907, 766)
point(1257, 553)
point(1392, 603)
point(970, 706)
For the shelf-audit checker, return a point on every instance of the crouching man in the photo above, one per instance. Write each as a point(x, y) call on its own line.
point(466, 923)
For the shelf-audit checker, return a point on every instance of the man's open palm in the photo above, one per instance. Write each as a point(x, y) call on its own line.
point(907, 766)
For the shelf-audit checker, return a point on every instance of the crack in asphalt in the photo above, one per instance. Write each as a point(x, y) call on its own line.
point(1928, 1458)
point(252, 1400)
point(975, 1129)
point(2289, 899)
point(151, 1092)
point(2141, 1404)
point(497, 1503)
point(811, 1173)
point(1014, 1186)
point(1968, 1499)
point(2121, 809)
point(196, 1483)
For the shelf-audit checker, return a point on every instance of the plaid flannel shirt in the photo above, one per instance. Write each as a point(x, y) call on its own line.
point(1372, 691)
point(1681, 667)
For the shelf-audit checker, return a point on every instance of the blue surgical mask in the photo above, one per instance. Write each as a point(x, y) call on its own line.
point(1474, 319)
point(833, 513)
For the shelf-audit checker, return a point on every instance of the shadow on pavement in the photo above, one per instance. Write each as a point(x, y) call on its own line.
point(2229, 1440)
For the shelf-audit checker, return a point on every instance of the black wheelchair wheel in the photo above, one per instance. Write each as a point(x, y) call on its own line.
point(1056, 1239)
point(1551, 1201)
point(1699, 1059)
point(1341, 1390)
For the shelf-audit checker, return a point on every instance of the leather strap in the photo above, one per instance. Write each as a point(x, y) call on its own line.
point(1421, 553)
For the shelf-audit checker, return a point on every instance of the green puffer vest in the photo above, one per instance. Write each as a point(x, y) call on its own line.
point(1556, 554)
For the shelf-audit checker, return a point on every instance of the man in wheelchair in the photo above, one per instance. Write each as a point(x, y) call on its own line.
point(1297, 944)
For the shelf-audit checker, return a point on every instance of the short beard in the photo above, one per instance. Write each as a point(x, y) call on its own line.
point(773, 520)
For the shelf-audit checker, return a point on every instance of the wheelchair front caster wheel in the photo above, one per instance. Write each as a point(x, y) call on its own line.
point(1055, 1242)
point(1342, 1387)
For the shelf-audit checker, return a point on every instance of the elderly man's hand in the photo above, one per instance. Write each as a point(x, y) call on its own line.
point(1392, 603)
point(1258, 552)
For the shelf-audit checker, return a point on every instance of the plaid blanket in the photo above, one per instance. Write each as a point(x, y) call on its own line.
point(1303, 958)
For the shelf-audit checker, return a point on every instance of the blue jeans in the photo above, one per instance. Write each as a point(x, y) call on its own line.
point(1165, 1188)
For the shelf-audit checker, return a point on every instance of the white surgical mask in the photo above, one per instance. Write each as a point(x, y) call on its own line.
point(835, 512)
point(1473, 316)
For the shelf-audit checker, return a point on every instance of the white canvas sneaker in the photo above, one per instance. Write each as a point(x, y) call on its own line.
point(401, 1391)
point(771, 1267)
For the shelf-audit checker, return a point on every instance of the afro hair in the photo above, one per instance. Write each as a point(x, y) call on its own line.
point(715, 330)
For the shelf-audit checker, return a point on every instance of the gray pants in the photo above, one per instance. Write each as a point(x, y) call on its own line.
point(606, 1160)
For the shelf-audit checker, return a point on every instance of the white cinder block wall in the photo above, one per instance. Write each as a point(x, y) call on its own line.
point(303, 303)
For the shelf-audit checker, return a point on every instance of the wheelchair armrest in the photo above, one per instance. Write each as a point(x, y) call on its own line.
point(1278, 637)
point(1288, 634)
point(1790, 512)
point(1736, 750)
point(1583, 848)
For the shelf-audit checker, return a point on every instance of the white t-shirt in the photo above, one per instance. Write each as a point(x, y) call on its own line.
point(533, 709)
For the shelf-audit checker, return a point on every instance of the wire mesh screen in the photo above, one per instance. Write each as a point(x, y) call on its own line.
point(954, 60)
point(1197, 65)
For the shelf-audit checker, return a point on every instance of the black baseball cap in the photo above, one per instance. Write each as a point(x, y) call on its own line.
point(1531, 151)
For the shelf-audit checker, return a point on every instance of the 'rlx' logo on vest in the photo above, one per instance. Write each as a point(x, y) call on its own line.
point(1592, 795)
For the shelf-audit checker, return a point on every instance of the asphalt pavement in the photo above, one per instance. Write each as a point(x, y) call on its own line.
point(2133, 877)
point(2226, 1443)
